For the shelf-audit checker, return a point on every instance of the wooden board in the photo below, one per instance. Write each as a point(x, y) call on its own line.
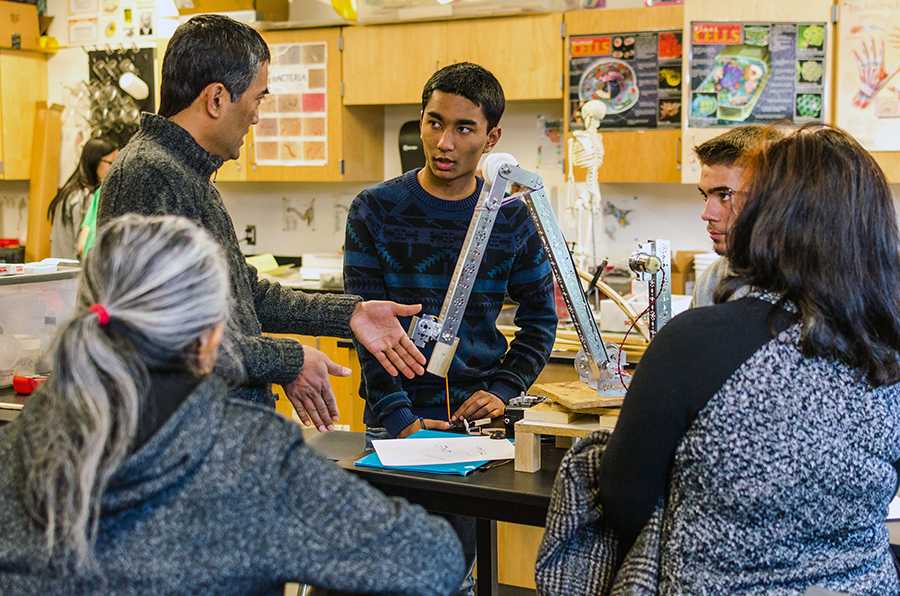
point(575, 395)
point(572, 429)
point(550, 412)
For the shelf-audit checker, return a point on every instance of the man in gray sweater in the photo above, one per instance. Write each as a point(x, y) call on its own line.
point(722, 187)
point(214, 76)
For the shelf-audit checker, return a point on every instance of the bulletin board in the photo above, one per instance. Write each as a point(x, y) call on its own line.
point(752, 73)
point(293, 119)
point(95, 22)
point(868, 90)
point(637, 75)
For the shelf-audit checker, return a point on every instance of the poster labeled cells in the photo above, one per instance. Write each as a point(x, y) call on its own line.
point(292, 128)
point(744, 73)
point(636, 75)
point(868, 97)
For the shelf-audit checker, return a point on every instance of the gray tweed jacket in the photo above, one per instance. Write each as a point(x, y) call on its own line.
point(579, 555)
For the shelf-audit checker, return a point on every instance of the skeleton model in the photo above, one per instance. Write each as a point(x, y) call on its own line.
point(585, 150)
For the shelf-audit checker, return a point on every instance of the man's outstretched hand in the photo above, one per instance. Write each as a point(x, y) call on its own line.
point(374, 324)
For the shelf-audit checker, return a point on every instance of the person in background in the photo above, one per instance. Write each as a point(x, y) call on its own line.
point(776, 448)
point(67, 209)
point(131, 472)
point(403, 239)
point(720, 185)
point(214, 76)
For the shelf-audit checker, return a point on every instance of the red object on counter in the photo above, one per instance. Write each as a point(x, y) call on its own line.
point(9, 242)
point(27, 385)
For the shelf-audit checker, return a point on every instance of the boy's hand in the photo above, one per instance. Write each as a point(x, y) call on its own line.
point(480, 404)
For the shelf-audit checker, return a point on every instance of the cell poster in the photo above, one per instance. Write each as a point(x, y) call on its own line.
point(868, 90)
point(743, 73)
point(637, 76)
point(292, 128)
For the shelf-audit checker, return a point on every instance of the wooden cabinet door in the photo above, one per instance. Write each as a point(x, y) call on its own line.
point(524, 53)
point(389, 64)
point(331, 171)
point(23, 79)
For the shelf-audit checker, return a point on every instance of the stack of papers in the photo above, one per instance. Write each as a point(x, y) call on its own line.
point(437, 452)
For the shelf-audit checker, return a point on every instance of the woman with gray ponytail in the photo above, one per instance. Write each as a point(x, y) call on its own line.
point(131, 471)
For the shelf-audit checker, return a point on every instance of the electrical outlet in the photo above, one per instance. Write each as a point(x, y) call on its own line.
point(250, 235)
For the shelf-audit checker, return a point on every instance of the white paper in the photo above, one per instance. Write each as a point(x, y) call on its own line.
point(894, 508)
point(425, 452)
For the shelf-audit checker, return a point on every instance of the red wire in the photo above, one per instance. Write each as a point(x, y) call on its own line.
point(634, 322)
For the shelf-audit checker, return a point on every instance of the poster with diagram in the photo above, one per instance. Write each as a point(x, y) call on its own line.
point(91, 22)
point(746, 73)
point(868, 93)
point(292, 128)
point(637, 76)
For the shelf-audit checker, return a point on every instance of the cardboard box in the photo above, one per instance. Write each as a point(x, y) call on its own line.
point(19, 26)
point(683, 269)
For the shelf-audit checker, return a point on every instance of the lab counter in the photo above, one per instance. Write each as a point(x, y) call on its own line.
point(10, 404)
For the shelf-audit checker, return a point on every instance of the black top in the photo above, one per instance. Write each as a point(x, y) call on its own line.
point(663, 401)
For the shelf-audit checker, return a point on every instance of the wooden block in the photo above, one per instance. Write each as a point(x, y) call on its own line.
point(528, 450)
point(550, 412)
point(572, 429)
point(575, 395)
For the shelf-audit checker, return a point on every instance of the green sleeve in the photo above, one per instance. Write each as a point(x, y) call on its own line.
point(90, 221)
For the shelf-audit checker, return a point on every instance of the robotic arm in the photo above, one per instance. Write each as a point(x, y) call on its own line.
point(595, 362)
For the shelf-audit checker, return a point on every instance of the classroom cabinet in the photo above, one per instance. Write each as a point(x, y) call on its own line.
point(23, 83)
point(389, 64)
point(641, 155)
point(304, 133)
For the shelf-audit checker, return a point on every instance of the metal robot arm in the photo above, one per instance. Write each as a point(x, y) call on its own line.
point(500, 171)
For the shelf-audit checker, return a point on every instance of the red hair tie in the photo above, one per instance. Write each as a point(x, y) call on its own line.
point(101, 312)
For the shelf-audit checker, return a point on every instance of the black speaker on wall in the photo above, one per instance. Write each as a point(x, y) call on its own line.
point(411, 155)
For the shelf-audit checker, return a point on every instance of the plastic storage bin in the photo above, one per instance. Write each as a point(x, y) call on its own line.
point(391, 11)
point(31, 309)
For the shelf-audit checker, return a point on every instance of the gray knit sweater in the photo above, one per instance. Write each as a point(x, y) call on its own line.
point(777, 467)
point(226, 498)
point(163, 171)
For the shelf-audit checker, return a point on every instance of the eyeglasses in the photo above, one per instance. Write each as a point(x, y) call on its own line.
point(723, 193)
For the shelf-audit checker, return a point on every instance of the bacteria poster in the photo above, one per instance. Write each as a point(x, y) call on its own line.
point(292, 128)
point(636, 75)
point(868, 94)
point(743, 73)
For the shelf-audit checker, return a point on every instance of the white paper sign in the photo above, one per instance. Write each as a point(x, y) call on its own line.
point(425, 452)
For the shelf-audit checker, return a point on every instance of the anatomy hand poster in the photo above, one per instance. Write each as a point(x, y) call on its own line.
point(868, 94)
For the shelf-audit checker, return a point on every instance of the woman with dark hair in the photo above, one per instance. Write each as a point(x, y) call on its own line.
point(769, 424)
point(131, 472)
point(67, 208)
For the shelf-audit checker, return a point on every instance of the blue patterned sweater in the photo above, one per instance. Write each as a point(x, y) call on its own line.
point(402, 244)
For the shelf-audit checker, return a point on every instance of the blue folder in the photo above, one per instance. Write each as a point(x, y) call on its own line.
point(460, 469)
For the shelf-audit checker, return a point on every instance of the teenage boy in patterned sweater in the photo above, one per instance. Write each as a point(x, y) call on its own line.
point(403, 240)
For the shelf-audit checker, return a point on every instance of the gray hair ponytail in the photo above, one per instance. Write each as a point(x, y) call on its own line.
point(163, 283)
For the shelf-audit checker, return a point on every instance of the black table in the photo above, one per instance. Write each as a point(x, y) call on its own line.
point(497, 494)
